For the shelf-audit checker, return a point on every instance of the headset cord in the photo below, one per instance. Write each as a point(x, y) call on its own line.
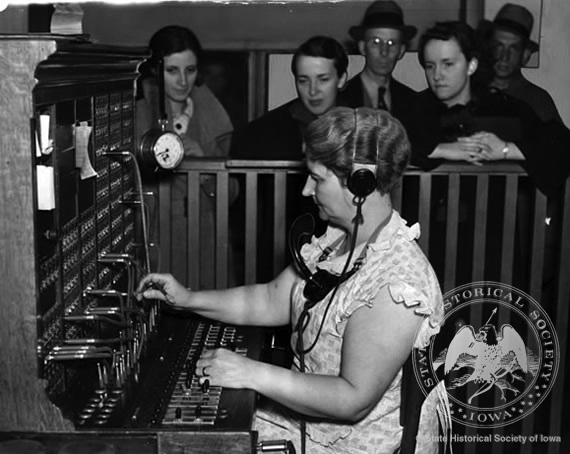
point(358, 218)
point(305, 316)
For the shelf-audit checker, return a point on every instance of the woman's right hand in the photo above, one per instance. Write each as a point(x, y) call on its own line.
point(163, 287)
point(464, 149)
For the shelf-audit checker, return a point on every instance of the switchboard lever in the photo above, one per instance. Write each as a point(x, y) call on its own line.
point(131, 202)
point(108, 310)
point(96, 318)
point(283, 446)
point(107, 293)
point(117, 154)
point(94, 341)
point(80, 348)
point(111, 256)
point(68, 355)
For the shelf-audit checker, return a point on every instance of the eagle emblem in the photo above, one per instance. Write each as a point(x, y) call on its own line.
point(493, 358)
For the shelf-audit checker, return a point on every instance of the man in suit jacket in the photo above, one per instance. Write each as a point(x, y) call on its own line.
point(512, 48)
point(382, 38)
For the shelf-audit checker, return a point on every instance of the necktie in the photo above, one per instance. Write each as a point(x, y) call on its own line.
point(381, 100)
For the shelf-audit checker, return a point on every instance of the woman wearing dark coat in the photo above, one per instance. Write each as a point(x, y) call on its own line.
point(319, 67)
point(459, 118)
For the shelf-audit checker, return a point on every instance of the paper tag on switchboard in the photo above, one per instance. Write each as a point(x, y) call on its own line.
point(44, 144)
point(45, 188)
point(82, 161)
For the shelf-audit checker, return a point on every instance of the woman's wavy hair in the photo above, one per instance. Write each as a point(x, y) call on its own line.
point(344, 136)
point(169, 40)
point(471, 43)
point(325, 47)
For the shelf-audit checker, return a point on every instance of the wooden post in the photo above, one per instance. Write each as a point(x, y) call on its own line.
point(23, 401)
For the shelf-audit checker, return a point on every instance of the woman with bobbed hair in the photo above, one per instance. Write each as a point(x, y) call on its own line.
point(319, 67)
point(358, 298)
point(461, 118)
point(324, 47)
point(192, 110)
point(195, 114)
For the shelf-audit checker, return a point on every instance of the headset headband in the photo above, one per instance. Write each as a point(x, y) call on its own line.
point(362, 181)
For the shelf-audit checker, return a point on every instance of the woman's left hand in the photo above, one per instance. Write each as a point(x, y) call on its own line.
point(223, 367)
point(492, 145)
point(477, 151)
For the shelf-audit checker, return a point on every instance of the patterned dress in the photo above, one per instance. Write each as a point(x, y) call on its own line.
point(394, 261)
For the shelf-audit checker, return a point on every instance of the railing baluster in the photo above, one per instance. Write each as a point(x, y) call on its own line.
point(510, 213)
point(251, 227)
point(222, 229)
point(165, 216)
point(476, 318)
point(507, 257)
point(451, 232)
point(536, 280)
point(503, 317)
point(424, 214)
point(480, 236)
point(537, 252)
point(279, 222)
point(195, 266)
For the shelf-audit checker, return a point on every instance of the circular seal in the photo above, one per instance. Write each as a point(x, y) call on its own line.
point(497, 353)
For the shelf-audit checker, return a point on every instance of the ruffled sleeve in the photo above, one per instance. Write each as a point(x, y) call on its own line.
point(427, 304)
point(311, 252)
point(396, 261)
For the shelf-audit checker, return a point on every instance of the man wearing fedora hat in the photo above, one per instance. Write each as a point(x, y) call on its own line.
point(382, 38)
point(512, 48)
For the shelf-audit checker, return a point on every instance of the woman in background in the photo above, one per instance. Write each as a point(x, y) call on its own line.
point(461, 118)
point(196, 115)
point(319, 68)
point(191, 108)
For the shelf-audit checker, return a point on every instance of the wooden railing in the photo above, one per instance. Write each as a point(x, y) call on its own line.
point(478, 224)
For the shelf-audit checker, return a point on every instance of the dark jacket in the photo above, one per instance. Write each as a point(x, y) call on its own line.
point(544, 145)
point(536, 97)
point(277, 135)
point(401, 96)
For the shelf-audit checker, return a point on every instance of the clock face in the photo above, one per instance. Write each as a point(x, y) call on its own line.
point(168, 150)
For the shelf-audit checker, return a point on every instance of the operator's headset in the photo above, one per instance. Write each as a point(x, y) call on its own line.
point(361, 183)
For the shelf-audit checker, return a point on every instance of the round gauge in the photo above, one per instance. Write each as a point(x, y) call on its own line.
point(162, 149)
point(168, 150)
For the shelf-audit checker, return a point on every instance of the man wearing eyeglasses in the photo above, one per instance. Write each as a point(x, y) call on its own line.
point(382, 38)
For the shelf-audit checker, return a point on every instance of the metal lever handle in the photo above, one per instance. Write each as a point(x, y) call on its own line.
point(283, 446)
